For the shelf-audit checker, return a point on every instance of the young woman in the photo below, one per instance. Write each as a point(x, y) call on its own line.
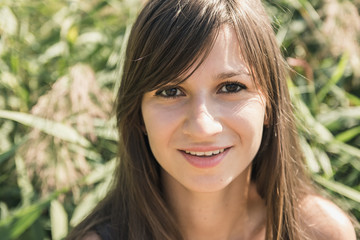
point(208, 148)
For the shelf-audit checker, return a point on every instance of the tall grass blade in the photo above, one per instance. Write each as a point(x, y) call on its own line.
point(348, 134)
point(8, 22)
point(90, 201)
point(59, 220)
point(24, 183)
point(336, 119)
point(309, 156)
point(16, 224)
point(55, 129)
point(354, 100)
point(120, 66)
point(324, 161)
point(12, 227)
point(335, 78)
point(100, 173)
point(11, 152)
point(339, 188)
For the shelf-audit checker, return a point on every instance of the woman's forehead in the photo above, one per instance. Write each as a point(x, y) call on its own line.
point(223, 60)
point(223, 57)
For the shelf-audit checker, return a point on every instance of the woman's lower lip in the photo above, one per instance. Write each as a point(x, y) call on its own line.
point(205, 161)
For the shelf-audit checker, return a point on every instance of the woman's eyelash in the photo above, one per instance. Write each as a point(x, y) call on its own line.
point(169, 92)
point(231, 87)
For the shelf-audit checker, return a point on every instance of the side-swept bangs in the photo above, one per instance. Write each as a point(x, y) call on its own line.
point(260, 51)
point(168, 39)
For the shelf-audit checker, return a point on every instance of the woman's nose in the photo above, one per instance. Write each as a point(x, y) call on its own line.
point(202, 120)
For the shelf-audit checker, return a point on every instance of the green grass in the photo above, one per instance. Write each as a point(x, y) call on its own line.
point(58, 137)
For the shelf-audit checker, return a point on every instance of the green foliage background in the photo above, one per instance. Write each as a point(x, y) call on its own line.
point(60, 65)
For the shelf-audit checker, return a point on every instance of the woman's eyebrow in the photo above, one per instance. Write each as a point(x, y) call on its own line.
point(230, 74)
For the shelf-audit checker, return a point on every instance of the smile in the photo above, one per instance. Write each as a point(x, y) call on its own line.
point(206, 154)
point(206, 159)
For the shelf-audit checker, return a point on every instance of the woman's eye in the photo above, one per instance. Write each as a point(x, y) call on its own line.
point(170, 92)
point(232, 88)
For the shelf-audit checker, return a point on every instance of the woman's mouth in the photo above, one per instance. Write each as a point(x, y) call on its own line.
point(205, 159)
point(207, 154)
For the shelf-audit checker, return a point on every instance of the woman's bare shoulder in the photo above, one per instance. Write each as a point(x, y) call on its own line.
point(322, 219)
point(91, 236)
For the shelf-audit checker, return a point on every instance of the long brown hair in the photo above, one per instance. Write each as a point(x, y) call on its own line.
point(169, 37)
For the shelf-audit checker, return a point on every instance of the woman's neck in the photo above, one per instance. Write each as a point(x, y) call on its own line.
point(231, 213)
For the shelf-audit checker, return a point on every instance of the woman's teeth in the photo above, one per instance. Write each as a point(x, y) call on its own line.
point(209, 153)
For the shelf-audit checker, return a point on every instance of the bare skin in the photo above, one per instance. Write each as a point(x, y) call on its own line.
point(234, 213)
point(323, 220)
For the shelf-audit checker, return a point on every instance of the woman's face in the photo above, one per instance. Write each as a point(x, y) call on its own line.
point(206, 131)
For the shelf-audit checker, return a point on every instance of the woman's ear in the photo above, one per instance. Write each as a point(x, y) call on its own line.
point(142, 126)
point(266, 119)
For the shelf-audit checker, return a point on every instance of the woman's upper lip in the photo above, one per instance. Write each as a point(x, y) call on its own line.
point(203, 148)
